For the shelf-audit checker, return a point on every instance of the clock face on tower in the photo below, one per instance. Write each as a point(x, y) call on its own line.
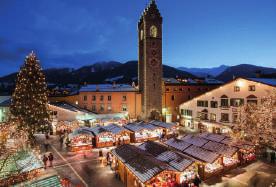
point(153, 31)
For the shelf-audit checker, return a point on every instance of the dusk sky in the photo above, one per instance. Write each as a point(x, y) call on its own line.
point(196, 33)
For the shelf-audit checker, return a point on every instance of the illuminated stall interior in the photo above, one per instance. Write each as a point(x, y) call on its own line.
point(110, 135)
point(170, 129)
point(81, 139)
point(141, 132)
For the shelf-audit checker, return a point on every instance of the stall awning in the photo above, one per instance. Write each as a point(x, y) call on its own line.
point(53, 181)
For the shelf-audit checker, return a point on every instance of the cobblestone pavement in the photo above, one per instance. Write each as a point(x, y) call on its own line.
point(82, 169)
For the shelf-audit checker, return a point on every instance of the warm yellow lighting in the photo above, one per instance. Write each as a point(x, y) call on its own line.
point(240, 83)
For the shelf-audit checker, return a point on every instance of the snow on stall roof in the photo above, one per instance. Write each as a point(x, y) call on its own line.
point(271, 82)
point(69, 107)
point(177, 144)
point(79, 131)
point(165, 154)
point(220, 148)
point(142, 164)
point(163, 124)
point(201, 154)
point(213, 137)
point(115, 129)
point(195, 140)
point(107, 88)
point(135, 127)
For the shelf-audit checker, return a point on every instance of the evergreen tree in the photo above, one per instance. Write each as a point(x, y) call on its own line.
point(29, 104)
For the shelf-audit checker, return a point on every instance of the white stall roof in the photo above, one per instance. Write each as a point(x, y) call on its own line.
point(136, 127)
point(220, 148)
point(213, 137)
point(195, 140)
point(165, 154)
point(143, 165)
point(163, 124)
point(177, 144)
point(201, 154)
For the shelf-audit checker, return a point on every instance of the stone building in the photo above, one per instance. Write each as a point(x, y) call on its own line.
point(150, 61)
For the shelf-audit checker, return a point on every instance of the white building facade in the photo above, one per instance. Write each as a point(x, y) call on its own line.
point(218, 110)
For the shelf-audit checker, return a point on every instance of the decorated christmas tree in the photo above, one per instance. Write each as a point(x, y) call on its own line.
point(29, 100)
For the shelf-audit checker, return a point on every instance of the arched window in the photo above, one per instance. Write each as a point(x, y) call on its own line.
point(153, 31)
point(224, 96)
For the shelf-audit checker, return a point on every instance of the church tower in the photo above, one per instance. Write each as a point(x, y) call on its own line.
point(150, 71)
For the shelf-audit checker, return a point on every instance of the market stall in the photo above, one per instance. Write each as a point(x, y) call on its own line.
point(19, 166)
point(138, 168)
point(103, 137)
point(66, 126)
point(185, 166)
point(230, 158)
point(141, 132)
point(169, 129)
point(121, 135)
point(81, 139)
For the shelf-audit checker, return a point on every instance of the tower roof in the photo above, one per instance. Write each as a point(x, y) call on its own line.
point(151, 9)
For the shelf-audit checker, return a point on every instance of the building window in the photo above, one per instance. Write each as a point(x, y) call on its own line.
point(93, 98)
point(109, 98)
point(236, 102)
point(252, 101)
point(202, 103)
point(172, 97)
point(213, 117)
point(85, 97)
point(180, 89)
point(85, 107)
point(124, 98)
point(102, 107)
point(189, 97)
point(94, 108)
point(124, 108)
point(214, 104)
point(224, 117)
point(186, 112)
point(175, 89)
point(109, 108)
point(251, 88)
point(189, 89)
point(224, 101)
point(101, 98)
point(167, 89)
point(237, 88)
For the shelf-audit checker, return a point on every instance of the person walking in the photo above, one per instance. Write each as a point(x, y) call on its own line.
point(45, 159)
point(51, 158)
point(61, 141)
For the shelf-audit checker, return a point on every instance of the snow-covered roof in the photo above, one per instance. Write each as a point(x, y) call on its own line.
point(136, 127)
point(195, 140)
point(5, 101)
point(107, 88)
point(165, 154)
point(213, 137)
point(70, 107)
point(80, 131)
point(220, 148)
point(201, 154)
point(114, 129)
point(271, 82)
point(177, 144)
point(142, 164)
point(163, 124)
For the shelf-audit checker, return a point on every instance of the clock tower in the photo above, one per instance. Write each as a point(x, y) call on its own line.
point(150, 71)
